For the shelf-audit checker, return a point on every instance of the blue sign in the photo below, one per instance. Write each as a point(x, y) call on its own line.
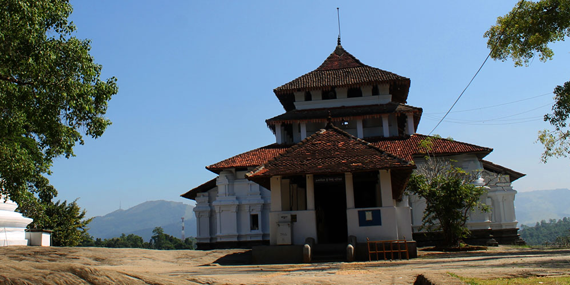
point(368, 218)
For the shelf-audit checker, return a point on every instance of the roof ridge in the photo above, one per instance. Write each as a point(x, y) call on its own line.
point(369, 144)
point(335, 56)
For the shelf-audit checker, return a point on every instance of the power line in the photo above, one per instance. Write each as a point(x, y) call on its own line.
point(494, 106)
point(503, 118)
point(498, 124)
point(476, 73)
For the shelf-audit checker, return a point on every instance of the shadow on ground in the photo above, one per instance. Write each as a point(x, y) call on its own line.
point(240, 258)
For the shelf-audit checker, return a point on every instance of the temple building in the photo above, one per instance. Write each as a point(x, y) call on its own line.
point(344, 150)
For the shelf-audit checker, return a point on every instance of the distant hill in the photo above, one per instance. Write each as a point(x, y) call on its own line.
point(535, 206)
point(143, 218)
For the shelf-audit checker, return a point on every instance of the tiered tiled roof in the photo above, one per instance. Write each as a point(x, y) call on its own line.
point(329, 151)
point(340, 69)
point(405, 148)
point(252, 158)
point(343, 113)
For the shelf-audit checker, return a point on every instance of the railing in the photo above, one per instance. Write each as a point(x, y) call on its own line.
point(401, 246)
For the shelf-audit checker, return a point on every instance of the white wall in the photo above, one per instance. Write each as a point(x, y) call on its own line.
point(387, 231)
point(306, 226)
point(223, 213)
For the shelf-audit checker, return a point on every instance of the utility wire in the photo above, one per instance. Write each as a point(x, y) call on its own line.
point(500, 120)
point(493, 106)
point(476, 73)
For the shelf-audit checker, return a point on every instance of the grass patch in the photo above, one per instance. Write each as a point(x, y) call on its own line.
point(514, 281)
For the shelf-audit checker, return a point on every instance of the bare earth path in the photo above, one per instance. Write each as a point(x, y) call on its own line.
point(36, 265)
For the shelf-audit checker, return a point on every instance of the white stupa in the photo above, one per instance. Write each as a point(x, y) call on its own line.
point(12, 224)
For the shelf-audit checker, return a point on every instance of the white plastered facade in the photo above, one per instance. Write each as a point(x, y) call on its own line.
point(226, 213)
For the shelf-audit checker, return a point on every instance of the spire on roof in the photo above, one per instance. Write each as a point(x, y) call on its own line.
point(338, 17)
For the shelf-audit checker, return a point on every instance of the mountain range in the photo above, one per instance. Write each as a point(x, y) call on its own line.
point(535, 206)
point(143, 218)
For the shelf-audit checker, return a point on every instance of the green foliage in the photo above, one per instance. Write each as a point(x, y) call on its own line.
point(556, 143)
point(528, 29)
point(66, 220)
point(521, 34)
point(552, 232)
point(450, 195)
point(50, 94)
point(159, 240)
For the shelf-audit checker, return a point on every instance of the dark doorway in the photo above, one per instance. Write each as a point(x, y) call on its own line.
point(330, 205)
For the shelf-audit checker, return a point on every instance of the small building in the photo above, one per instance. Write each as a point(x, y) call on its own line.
point(345, 148)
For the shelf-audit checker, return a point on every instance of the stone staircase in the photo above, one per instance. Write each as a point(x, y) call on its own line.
point(329, 252)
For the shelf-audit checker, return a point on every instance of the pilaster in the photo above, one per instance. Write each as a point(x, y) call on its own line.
point(386, 188)
point(349, 186)
point(385, 125)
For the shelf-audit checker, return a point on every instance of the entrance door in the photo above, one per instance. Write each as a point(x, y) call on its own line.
point(330, 205)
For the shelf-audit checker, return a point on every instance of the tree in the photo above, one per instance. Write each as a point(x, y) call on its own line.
point(450, 196)
point(66, 220)
point(160, 240)
point(524, 33)
point(51, 94)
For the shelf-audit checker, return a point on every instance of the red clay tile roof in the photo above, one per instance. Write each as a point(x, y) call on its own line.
point(343, 113)
point(405, 148)
point(408, 147)
point(340, 69)
point(200, 189)
point(329, 151)
point(252, 158)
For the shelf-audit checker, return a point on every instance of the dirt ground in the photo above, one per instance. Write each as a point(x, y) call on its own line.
point(53, 265)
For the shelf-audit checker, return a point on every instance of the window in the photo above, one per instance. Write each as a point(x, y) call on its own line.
point(254, 222)
point(308, 96)
point(329, 94)
point(375, 90)
point(294, 194)
point(366, 194)
point(354, 92)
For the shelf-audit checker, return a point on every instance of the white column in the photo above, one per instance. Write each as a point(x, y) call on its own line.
point(359, 129)
point(303, 130)
point(275, 183)
point(317, 95)
point(349, 190)
point(299, 96)
point(410, 124)
point(366, 90)
point(385, 125)
point(278, 134)
point(310, 192)
point(341, 93)
point(386, 188)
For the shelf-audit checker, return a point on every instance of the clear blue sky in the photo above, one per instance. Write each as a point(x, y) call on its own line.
point(196, 79)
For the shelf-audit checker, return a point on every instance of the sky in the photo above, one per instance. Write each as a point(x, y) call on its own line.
point(196, 82)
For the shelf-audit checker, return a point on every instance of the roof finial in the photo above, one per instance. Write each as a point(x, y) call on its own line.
point(338, 17)
point(329, 120)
